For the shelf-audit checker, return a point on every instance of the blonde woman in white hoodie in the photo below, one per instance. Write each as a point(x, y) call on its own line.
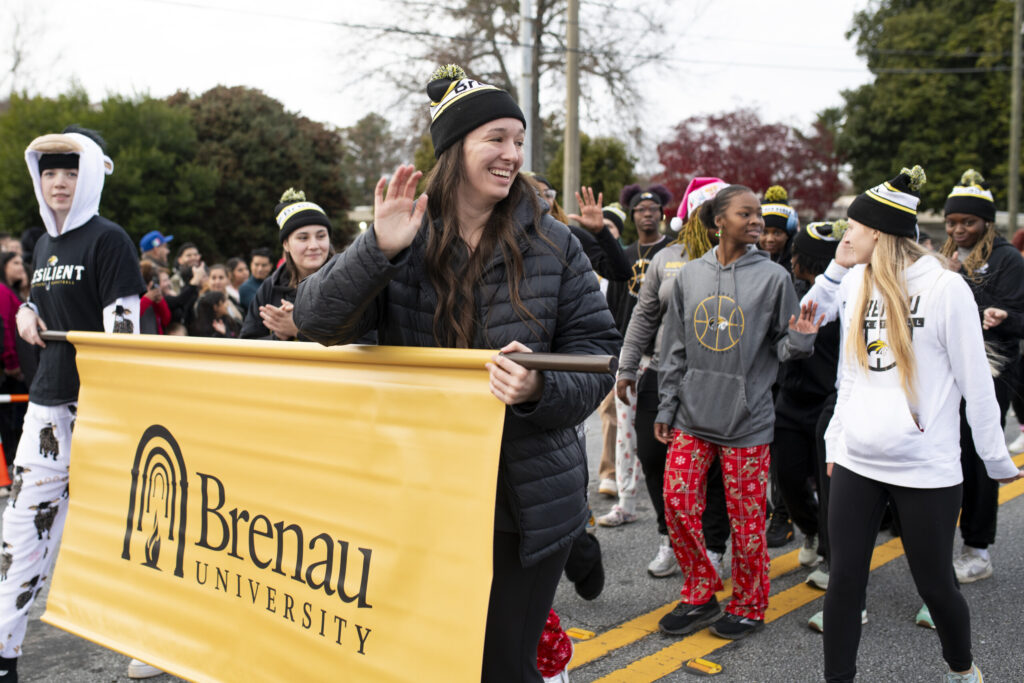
point(895, 432)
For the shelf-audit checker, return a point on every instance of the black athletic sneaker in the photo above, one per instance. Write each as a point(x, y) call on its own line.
point(780, 531)
point(735, 627)
point(686, 618)
point(8, 670)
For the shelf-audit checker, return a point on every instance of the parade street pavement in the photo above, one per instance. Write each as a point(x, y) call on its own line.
point(627, 647)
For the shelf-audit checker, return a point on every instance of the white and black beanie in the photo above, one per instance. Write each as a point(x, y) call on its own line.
point(459, 104)
point(777, 212)
point(294, 212)
point(973, 197)
point(615, 214)
point(892, 206)
point(820, 239)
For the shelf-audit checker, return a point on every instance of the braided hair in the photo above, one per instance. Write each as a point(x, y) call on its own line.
point(693, 236)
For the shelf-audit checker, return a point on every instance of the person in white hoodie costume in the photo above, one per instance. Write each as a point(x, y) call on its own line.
point(895, 431)
point(86, 277)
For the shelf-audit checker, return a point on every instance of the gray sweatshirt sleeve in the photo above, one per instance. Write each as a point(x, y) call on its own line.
point(789, 344)
point(644, 322)
point(672, 356)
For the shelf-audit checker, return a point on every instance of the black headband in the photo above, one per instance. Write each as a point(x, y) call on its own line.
point(50, 161)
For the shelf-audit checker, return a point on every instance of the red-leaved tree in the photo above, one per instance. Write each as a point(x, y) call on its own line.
point(740, 148)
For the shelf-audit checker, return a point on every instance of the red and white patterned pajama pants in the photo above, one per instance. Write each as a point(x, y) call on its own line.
point(745, 475)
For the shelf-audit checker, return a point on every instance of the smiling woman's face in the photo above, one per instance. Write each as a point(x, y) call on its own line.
point(491, 157)
point(741, 221)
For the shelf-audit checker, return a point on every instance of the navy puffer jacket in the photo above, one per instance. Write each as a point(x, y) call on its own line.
point(543, 466)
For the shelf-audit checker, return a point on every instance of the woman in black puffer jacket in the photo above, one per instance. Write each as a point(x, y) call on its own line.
point(479, 266)
point(305, 233)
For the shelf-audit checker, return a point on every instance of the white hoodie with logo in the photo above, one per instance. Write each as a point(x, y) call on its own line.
point(875, 431)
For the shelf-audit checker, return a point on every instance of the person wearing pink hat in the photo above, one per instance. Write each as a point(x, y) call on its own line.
point(637, 379)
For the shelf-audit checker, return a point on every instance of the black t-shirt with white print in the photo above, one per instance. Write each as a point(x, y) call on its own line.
point(77, 275)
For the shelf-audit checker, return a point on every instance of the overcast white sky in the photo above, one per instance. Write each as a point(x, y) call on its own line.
point(788, 61)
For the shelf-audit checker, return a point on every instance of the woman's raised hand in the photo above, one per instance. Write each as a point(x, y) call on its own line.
point(396, 215)
point(806, 324)
point(592, 218)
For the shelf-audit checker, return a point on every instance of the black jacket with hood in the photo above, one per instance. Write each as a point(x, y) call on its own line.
point(1000, 284)
point(542, 474)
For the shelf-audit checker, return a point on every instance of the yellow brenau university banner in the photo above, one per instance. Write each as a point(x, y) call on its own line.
point(270, 511)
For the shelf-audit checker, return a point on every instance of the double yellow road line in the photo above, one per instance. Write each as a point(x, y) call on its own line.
point(702, 643)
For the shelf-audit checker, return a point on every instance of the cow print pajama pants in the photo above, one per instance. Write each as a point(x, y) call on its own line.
point(34, 517)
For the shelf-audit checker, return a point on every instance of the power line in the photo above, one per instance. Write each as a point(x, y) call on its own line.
point(596, 53)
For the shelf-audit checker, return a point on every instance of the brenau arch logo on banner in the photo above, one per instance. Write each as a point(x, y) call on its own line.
point(280, 511)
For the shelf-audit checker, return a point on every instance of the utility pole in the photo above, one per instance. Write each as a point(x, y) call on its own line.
point(571, 168)
point(526, 77)
point(1014, 184)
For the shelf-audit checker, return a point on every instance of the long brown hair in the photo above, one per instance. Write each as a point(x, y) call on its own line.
point(455, 272)
point(887, 271)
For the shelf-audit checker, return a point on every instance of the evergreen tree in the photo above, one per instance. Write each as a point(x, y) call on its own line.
point(940, 97)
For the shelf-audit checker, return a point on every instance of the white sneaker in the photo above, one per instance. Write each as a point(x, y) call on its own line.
point(560, 677)
point(1017, 445)
point(616, 517)
point(716, 559)
point(972, 565)
point(819, 577)
point(608, 487)
point(972, 676)
point(664, 563)
point(817, 622)
point(137, 669)
point(808, 555)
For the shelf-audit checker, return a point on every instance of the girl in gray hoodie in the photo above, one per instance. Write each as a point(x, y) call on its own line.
point(732, 319)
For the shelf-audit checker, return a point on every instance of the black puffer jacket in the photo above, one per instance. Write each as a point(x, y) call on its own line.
point(273, 290)
point(543, 470)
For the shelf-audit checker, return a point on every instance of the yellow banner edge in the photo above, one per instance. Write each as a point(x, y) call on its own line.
point(410, 356)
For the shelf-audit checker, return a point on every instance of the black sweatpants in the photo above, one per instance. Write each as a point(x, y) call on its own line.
point(794, 456)
point(981, 493)
point(928, 519)
point(518, 608)
point(651, 453)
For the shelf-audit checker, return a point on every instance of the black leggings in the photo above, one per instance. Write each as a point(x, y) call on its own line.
point(520, 600)
point(824, 481)
point(928, 519)
point(651, 453)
